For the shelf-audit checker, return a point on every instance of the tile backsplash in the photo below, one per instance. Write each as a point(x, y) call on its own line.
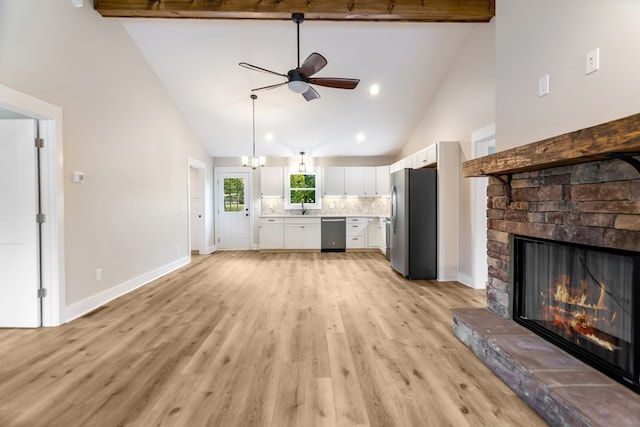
point(365, 206)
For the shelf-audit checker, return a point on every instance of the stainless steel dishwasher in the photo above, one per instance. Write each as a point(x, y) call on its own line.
point(333, 231)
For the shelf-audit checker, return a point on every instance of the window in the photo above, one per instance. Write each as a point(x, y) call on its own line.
point(302, 187)
point(233, 195)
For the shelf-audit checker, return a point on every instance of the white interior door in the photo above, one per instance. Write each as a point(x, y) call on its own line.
point(233, 208)
point(19, 235)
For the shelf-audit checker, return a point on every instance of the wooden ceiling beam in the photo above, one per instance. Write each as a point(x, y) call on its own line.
point(328, 10)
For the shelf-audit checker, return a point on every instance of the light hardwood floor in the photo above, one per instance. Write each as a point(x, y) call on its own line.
point(255, 339)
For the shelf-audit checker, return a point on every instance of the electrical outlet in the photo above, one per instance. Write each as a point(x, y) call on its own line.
point(98, 274)
point(178, 248)
point(593, 61)
point(543, 85)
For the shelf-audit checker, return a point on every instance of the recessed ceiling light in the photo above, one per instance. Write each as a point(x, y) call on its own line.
point(360, 137)
point(269, 137)
point(374, 89)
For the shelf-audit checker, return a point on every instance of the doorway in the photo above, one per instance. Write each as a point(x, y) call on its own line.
point(484, 143)
point(197, 234)
point(234, 210)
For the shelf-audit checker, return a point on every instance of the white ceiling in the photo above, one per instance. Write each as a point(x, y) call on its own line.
point(197, 62)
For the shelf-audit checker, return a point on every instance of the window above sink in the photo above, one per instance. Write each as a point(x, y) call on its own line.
point(302, 187)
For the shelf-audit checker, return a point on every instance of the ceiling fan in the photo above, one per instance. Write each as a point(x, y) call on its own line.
point(299, 79)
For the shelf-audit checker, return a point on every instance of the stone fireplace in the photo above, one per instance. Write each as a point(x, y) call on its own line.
point(594, 205)
point(571, 206)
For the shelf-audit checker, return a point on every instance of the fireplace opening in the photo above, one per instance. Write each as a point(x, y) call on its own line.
point(584, 299)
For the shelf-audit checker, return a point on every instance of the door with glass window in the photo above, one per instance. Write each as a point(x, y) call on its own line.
point(234, 211)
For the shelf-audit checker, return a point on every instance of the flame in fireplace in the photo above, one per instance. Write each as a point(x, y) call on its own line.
point(572, 312)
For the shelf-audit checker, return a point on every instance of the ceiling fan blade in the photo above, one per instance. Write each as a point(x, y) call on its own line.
point(269, 87)
point(314, 63)
point(335, 82)
point(311, 94)
point(256, 68)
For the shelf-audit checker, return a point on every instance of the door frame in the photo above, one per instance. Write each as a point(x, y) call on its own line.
point(201, 231)
point(479, 221)
point(217, 170)
point(49, 119)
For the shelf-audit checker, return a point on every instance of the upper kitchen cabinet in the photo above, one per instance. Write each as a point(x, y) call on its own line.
point(333, 181)
point(271, 182)
point(425, 157)
point(383, 181)
point(354, 181)
point(370, 182)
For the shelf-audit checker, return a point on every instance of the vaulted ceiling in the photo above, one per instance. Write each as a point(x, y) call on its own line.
point(404, 47)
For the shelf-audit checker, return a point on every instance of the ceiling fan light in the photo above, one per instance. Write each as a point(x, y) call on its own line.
point(245, 160)
point(298, 86)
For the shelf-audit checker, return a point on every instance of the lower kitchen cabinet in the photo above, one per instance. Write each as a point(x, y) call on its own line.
point(271, 233)
point(375, 233)
point(302, 233)
point(357, 232)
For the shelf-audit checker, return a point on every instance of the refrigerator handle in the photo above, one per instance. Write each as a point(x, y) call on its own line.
point(394, 201)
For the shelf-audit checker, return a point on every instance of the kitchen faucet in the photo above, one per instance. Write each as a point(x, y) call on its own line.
point(303, 209)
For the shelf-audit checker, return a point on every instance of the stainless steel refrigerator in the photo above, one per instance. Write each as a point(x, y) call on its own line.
point(414, 223)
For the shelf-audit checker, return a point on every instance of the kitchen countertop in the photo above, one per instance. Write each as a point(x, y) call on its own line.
point(325, 216)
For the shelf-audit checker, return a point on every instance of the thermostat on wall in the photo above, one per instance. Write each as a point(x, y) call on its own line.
point(78, 177)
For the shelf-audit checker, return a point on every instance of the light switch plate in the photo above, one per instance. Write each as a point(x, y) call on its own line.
point(543, 85)
point(593, 61)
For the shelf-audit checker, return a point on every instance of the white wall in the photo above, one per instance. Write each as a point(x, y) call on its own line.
point(121, 129)
point(464, 103)
point(538, 37)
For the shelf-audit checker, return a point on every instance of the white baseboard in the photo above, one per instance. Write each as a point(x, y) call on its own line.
point(83, 307)
point(465, 279)
point(209, 250)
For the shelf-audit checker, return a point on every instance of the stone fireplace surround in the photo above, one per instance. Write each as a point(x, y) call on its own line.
point(567, 193)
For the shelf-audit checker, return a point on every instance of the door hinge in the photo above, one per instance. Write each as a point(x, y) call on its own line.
point(42, 292)
point(41, 218)
point(39, 143)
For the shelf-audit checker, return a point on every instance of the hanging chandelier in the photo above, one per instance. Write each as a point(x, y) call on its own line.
point(253, 161)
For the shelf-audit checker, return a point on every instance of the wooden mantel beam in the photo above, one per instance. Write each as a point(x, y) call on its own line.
point(330, 10)
point(604, 141)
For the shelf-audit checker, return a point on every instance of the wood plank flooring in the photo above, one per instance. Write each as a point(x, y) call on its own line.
point(260, 339)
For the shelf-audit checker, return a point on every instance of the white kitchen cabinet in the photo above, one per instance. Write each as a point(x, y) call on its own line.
point(271, 233)
point(375, 231)
point(357, 233)
point(370, 181)
point(271, 182)
point(432, 154)
point(383, 181)
point(311, 236)
point(301, 233)
point(420, 159)
point(354, 181)
point(333, 181)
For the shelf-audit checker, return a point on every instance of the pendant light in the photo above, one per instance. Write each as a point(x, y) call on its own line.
point(253, 161)
point(302, 167)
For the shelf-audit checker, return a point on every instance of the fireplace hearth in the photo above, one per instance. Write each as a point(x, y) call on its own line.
point(581, 298)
